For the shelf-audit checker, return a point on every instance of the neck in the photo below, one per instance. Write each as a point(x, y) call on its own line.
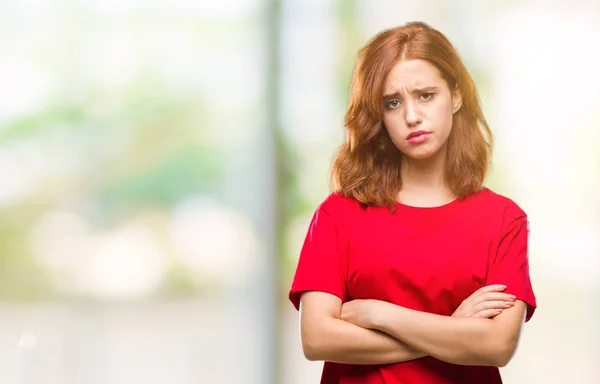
point(426, 173)
point(423, 181)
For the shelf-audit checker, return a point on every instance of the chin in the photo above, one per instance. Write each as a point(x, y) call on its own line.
point(419, 155)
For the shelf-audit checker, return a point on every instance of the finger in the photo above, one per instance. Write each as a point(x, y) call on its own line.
point(495, 296)
point(489, 292)
point(487, 313)
point(493, 305)
point(489, 288)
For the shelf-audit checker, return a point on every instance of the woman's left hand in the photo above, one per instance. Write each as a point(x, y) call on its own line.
point(360, 312)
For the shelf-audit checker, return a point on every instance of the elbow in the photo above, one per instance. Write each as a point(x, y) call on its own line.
point(310, 352)
point(491, 351)
point(503, 354)
point(504, 357)
point(311, 347)
point(500, 360)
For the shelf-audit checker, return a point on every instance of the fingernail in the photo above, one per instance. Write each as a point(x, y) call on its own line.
point(512, 296)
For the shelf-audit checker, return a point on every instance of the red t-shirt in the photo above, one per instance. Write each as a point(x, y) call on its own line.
point(426, 259)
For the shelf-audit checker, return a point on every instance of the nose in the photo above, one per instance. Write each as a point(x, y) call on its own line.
point(412, 114)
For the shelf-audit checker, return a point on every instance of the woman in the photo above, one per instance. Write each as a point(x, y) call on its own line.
point(412, 271)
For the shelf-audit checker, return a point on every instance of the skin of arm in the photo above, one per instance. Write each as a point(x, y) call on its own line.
point(457, 340)
point(344, 337)
point(324, 336)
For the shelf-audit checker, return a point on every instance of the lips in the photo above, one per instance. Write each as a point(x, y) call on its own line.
point(412, 135)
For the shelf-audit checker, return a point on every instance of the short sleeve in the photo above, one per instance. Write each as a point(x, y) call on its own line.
point(511, 263)
point(320, 264)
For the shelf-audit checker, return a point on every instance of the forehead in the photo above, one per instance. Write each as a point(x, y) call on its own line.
point(410, 74)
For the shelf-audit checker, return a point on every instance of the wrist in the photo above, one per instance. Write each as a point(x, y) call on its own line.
point(380, 315)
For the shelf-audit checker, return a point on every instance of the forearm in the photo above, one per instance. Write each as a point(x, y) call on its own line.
point(342, 342)
point(465, 341)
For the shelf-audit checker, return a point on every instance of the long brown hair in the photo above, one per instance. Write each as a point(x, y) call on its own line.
point(367, 165)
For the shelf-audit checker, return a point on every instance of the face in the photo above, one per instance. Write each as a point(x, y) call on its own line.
point(418, 107)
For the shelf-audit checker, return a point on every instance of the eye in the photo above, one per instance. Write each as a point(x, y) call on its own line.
point(427, 96)
point(392, 104)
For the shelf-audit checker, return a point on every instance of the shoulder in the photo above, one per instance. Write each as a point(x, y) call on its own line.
point(497, 205)
point(340, 207)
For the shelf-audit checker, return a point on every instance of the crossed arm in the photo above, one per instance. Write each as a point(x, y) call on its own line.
point(325, 336)
point(377, 332)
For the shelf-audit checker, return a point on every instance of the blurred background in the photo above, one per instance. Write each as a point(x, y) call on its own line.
point(160, 162)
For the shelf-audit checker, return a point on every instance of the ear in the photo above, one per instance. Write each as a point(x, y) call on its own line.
point(456, 100)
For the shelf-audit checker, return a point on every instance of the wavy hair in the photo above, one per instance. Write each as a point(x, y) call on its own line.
point(367, 165)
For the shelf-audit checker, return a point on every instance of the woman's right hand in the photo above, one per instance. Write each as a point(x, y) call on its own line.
point(486, 302)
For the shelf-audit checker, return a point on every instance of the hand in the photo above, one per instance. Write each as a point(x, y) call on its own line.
point(360, 312)
point(486, 302)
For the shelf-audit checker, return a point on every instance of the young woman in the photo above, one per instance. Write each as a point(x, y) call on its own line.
point(412, 272)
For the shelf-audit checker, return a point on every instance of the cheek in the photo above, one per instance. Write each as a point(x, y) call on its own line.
point(394, 126)
point(441, 117)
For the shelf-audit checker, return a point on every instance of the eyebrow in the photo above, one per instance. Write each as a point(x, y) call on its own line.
point(397, 94)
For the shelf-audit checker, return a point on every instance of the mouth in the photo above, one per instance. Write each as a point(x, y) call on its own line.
point(414, 135)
